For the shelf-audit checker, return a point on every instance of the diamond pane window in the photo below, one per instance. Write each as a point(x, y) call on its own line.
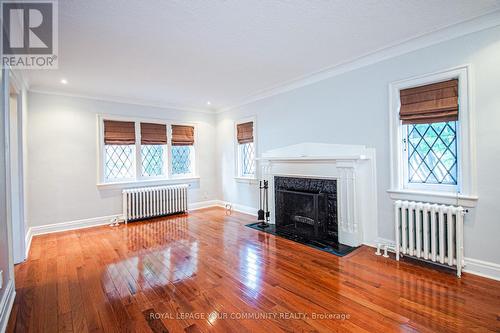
point(153, 160)
point(432, 153)
point(119, 162)
point(247, 152)
point(181, 159)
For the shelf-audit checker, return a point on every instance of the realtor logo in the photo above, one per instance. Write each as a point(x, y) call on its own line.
point(29, 34)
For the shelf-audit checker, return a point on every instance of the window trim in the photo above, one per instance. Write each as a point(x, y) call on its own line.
point(238, 172)
point(466, 179)
point(139, 179)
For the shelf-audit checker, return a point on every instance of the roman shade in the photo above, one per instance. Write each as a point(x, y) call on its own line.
point(119, 132)
point(432, 103)
point(245, 132)
point(182, 135)
point(153, 134)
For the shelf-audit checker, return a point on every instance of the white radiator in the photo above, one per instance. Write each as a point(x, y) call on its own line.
point(430, 232)
point(145, 202)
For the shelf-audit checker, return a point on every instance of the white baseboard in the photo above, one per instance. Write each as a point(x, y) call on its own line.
point(382, 241)
point(96, 221)
point(66, 226)
point(6, 304)
point(224, 204)
point(29, 238)
point(482, 268)
point(72, 225)
point(204, 204)
point(240, 208)
point(473, 266)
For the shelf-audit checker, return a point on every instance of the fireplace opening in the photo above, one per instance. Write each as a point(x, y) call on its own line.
point(303, 212)
point(306, 210)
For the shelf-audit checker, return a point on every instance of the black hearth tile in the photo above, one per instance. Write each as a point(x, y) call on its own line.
point(325, 246)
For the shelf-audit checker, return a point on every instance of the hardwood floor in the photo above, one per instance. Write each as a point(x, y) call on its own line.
point(208, 272)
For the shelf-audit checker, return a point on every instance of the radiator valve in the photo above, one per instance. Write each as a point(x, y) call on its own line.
point(386, 255)
point(114, 222)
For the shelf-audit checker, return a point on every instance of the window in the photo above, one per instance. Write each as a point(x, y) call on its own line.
point(119, 150)
point(432, 154)
point(246, 149)
point(153, 143)
point(134, 151)
point(153, 160)
point(119, 162)
point(429, 114)
point(247, 154)
point(181, 160)
point(182, 149)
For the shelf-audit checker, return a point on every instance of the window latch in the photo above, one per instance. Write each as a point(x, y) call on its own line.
point(404, 144)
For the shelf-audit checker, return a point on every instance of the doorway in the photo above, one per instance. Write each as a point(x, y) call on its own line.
point(16, 170)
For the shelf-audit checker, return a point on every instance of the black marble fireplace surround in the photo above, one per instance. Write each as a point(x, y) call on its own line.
point(306, 212)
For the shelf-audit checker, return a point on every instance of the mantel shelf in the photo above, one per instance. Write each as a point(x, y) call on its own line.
point(314, 158)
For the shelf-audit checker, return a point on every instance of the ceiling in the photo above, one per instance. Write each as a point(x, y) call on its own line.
point(185, 53)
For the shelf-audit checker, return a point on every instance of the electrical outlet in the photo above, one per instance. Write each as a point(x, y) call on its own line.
point(1, 279)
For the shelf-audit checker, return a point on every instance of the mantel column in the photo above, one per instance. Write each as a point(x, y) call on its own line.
point(349, 232)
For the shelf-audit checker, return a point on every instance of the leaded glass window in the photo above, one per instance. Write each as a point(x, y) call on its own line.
point(182, 160)
point(247, 156)
point(136, 151)
point(153, 158)
point(119, 162)
point(432, 153)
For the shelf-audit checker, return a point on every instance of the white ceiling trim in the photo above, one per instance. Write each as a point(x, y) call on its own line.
point(464, 28)
point(121, 100)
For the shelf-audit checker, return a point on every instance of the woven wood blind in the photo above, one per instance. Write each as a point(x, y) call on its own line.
point(182, 135)
point(245, 132)
point(153, 134)
point(433, 103)
point(119, 132)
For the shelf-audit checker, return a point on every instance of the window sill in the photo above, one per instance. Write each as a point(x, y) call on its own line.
point(151, 182)
point(446, 198)
point(246, 180)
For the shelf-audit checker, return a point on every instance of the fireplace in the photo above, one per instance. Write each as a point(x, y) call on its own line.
point(306, 209)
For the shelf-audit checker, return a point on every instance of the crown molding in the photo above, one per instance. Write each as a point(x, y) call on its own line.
point(121, 100)
point(483, 22)
point(479, 23)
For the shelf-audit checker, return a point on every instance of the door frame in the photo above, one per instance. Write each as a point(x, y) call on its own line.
point(16, 196)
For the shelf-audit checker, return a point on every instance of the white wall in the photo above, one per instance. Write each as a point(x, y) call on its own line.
point(62, 157)
point(352, 108)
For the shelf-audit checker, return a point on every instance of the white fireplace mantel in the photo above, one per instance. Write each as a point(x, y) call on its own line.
point(314, 158)
point(353, 166)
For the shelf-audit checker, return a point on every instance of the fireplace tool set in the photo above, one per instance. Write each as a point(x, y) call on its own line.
point(263, 213)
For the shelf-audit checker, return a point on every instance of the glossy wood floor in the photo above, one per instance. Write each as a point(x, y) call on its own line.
point(207, 272)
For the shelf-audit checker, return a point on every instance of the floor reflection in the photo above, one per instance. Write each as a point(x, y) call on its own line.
point(155, 233)
point(158, 252)
point(422, 296)
point(250, 268)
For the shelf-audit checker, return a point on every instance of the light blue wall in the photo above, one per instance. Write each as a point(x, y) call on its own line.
point(352, 108)
point(62, 177)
